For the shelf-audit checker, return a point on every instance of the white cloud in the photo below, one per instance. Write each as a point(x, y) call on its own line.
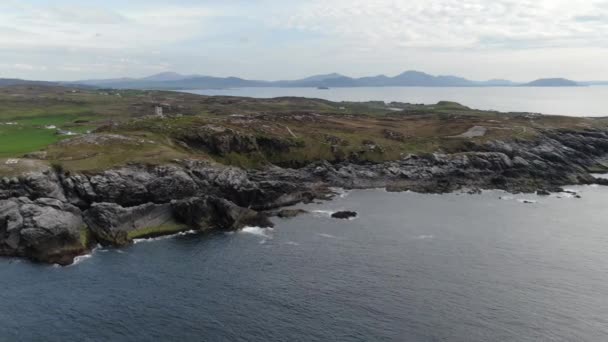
point(95, 27)
point(266, 39)
point(452, 23)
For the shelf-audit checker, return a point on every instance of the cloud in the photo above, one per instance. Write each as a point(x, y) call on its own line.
point(265, 39)
point(97, 27)
point(452, 23)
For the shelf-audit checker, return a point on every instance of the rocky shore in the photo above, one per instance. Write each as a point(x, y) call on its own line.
point(53, 216)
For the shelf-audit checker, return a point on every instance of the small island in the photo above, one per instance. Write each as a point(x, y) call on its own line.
point(552, 82)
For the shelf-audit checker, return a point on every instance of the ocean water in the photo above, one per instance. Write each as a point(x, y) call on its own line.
point(411, 267)
point(574, 101)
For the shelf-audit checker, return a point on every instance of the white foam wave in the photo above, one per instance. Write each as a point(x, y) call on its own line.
point(424, 237)
point(329, 236)
point(565, 195)
point(164, 237)
point(323, 213)
point(81, 258)
point(259, 231)
point(342, 193)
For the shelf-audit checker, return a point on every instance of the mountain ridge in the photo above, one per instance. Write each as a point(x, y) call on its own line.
point(175, 81)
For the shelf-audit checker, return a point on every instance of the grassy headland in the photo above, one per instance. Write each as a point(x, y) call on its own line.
point(114, 128)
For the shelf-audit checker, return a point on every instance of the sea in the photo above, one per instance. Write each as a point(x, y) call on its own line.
point(575, 101)
point(411, 267)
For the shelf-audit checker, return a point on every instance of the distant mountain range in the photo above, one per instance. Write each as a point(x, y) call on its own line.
point(170, 80)
point(175, 81)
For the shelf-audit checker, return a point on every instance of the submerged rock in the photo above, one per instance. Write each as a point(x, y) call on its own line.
point(344, 215)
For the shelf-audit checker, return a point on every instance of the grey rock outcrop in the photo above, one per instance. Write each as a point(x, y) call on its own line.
point(44, 230)
point(210, 212)
point(111, 223)
point(47, 216)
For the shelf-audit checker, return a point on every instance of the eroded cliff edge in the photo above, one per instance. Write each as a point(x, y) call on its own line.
point(53, 215)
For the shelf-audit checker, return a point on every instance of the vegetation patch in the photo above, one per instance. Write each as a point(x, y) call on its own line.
point(245, 132)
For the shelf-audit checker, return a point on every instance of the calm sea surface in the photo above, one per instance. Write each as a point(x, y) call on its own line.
point(411, 267)
point(575, 101)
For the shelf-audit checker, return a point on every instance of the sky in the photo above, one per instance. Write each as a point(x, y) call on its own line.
point(519, 40)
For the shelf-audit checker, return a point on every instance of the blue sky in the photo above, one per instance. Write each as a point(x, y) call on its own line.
point(271, 39)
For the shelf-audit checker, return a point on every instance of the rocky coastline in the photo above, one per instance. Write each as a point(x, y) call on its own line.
point(54, 215)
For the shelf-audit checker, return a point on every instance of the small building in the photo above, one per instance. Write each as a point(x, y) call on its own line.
point(158, 111)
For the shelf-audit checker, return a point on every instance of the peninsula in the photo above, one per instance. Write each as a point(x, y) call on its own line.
point(81, 167)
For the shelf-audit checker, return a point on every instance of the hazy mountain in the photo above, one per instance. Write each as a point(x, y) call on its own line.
point(176, 81)
point(5, 82)
point(167, 76)
point(8, 82)
point(551, 82)
point(320, 77)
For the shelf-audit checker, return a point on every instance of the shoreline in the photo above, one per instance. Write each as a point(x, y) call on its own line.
point(54, 216)
point(317, 213)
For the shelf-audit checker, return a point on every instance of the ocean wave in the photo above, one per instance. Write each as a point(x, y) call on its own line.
point(323, 213)
point(341, 192)
point(329, 236)
point(164, 237)
point(259, 231)
point(81, 258)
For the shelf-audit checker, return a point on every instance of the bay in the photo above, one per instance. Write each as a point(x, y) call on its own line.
point(574, 101)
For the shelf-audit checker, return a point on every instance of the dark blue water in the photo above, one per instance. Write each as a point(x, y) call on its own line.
point(412, 267)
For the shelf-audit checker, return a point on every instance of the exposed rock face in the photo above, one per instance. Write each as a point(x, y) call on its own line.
point(219, 140)
point(290, 213)
point(44, 230)
point(211, 212)
point(111, 223)
point(32, 185)
point(41, 213)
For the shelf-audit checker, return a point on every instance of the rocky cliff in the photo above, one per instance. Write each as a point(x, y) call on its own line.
point(53, 216)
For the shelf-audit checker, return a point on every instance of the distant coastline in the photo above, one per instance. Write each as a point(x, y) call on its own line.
point(176, 81)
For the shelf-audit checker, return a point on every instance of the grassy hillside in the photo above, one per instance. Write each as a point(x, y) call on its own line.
point(111, 128)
